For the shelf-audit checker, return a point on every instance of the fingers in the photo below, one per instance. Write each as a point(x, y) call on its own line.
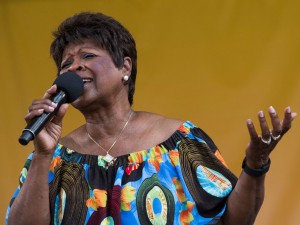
point(278, 127)
point(265, 131)
point(45, 104)
point(38, 107)
point(50, 91)
point(288, 119)
point(252, 132)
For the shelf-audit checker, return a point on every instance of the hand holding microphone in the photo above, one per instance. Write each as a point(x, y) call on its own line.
point(69, 87)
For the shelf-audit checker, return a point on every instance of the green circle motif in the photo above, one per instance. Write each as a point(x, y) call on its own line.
point(150, 190)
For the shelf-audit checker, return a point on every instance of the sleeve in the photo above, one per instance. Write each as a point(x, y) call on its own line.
point(205, 173)
point(22, 179)
point(198, 132)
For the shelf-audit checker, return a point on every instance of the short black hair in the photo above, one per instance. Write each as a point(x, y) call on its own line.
point(106, 32)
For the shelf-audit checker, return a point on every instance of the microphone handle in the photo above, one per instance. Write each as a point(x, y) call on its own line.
point(37, 124)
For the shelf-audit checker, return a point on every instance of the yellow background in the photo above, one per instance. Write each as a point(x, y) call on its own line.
point(216, 63)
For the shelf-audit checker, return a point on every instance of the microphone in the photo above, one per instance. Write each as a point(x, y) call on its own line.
point(69, 88)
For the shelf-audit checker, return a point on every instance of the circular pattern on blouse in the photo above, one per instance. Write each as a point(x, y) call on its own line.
point(199, 166)
point(73, 177)
point(156, 203)
point(213, 182)
point(68, 184)
point(156, 206)
point(108, 221)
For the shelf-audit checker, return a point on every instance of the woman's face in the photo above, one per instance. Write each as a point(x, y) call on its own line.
point(102, 79)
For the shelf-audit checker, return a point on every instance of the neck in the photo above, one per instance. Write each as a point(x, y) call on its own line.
point(107, 123)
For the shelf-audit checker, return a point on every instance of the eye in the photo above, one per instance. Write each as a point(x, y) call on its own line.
point(88, 55)
point(66, 64)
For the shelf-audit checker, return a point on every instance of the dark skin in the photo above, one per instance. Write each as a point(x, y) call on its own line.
point(248, 194)
point(105, 107)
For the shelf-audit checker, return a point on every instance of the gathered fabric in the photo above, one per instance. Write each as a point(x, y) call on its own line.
point(183, 180)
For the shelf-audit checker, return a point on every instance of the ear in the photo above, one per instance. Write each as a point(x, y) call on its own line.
point(127, 66)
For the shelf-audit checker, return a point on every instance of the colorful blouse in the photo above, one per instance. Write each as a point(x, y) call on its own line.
point(183, 180)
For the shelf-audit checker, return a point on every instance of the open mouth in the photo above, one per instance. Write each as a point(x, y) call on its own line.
point(87, 80)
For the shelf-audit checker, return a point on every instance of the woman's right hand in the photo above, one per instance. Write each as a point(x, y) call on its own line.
point(46, 141)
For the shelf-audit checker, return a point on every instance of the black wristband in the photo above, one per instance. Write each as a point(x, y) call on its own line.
point(256, 172)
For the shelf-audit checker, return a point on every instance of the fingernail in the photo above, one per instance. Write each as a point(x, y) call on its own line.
point(261, 114)
point(41, 110)
point(249, 121)
point(51, 108)
point(53, 104)
point(294, 115)
point(272, 110)
point(288, 110)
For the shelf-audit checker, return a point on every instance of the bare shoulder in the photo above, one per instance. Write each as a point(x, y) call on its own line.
point(159, 120)
point(71, 140)
point(159, 125)
point(168, 124)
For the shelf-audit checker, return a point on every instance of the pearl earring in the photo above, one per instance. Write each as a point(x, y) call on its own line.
point(125, 78)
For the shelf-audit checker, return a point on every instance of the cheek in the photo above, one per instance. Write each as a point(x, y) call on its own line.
point(108, 62)
point(107, 69)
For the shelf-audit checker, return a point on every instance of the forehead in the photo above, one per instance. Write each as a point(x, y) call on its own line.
point(74, 47)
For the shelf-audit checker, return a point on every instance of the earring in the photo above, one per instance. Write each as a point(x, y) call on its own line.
point(125, 78)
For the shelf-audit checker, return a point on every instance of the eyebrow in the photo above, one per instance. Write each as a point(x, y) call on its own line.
point(80, 49)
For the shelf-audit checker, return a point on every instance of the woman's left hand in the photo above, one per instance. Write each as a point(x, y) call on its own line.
point(260, 146)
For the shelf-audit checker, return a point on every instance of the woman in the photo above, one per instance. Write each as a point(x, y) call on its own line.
point(127, 167)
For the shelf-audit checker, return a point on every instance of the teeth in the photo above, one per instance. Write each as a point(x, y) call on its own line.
point(86, 80)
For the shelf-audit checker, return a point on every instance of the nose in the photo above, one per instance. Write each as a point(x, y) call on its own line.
point(78, 68)
point(77, 65)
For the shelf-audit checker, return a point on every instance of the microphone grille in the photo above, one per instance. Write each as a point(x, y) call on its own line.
point(71, 84)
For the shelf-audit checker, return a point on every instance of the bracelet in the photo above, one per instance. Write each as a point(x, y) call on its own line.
point(256, 172)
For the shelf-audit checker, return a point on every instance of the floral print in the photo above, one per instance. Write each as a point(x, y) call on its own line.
point(183, 180)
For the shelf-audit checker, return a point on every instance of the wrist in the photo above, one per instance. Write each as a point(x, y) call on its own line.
point(40, 164)
point(42, 156)
point(256, 172)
